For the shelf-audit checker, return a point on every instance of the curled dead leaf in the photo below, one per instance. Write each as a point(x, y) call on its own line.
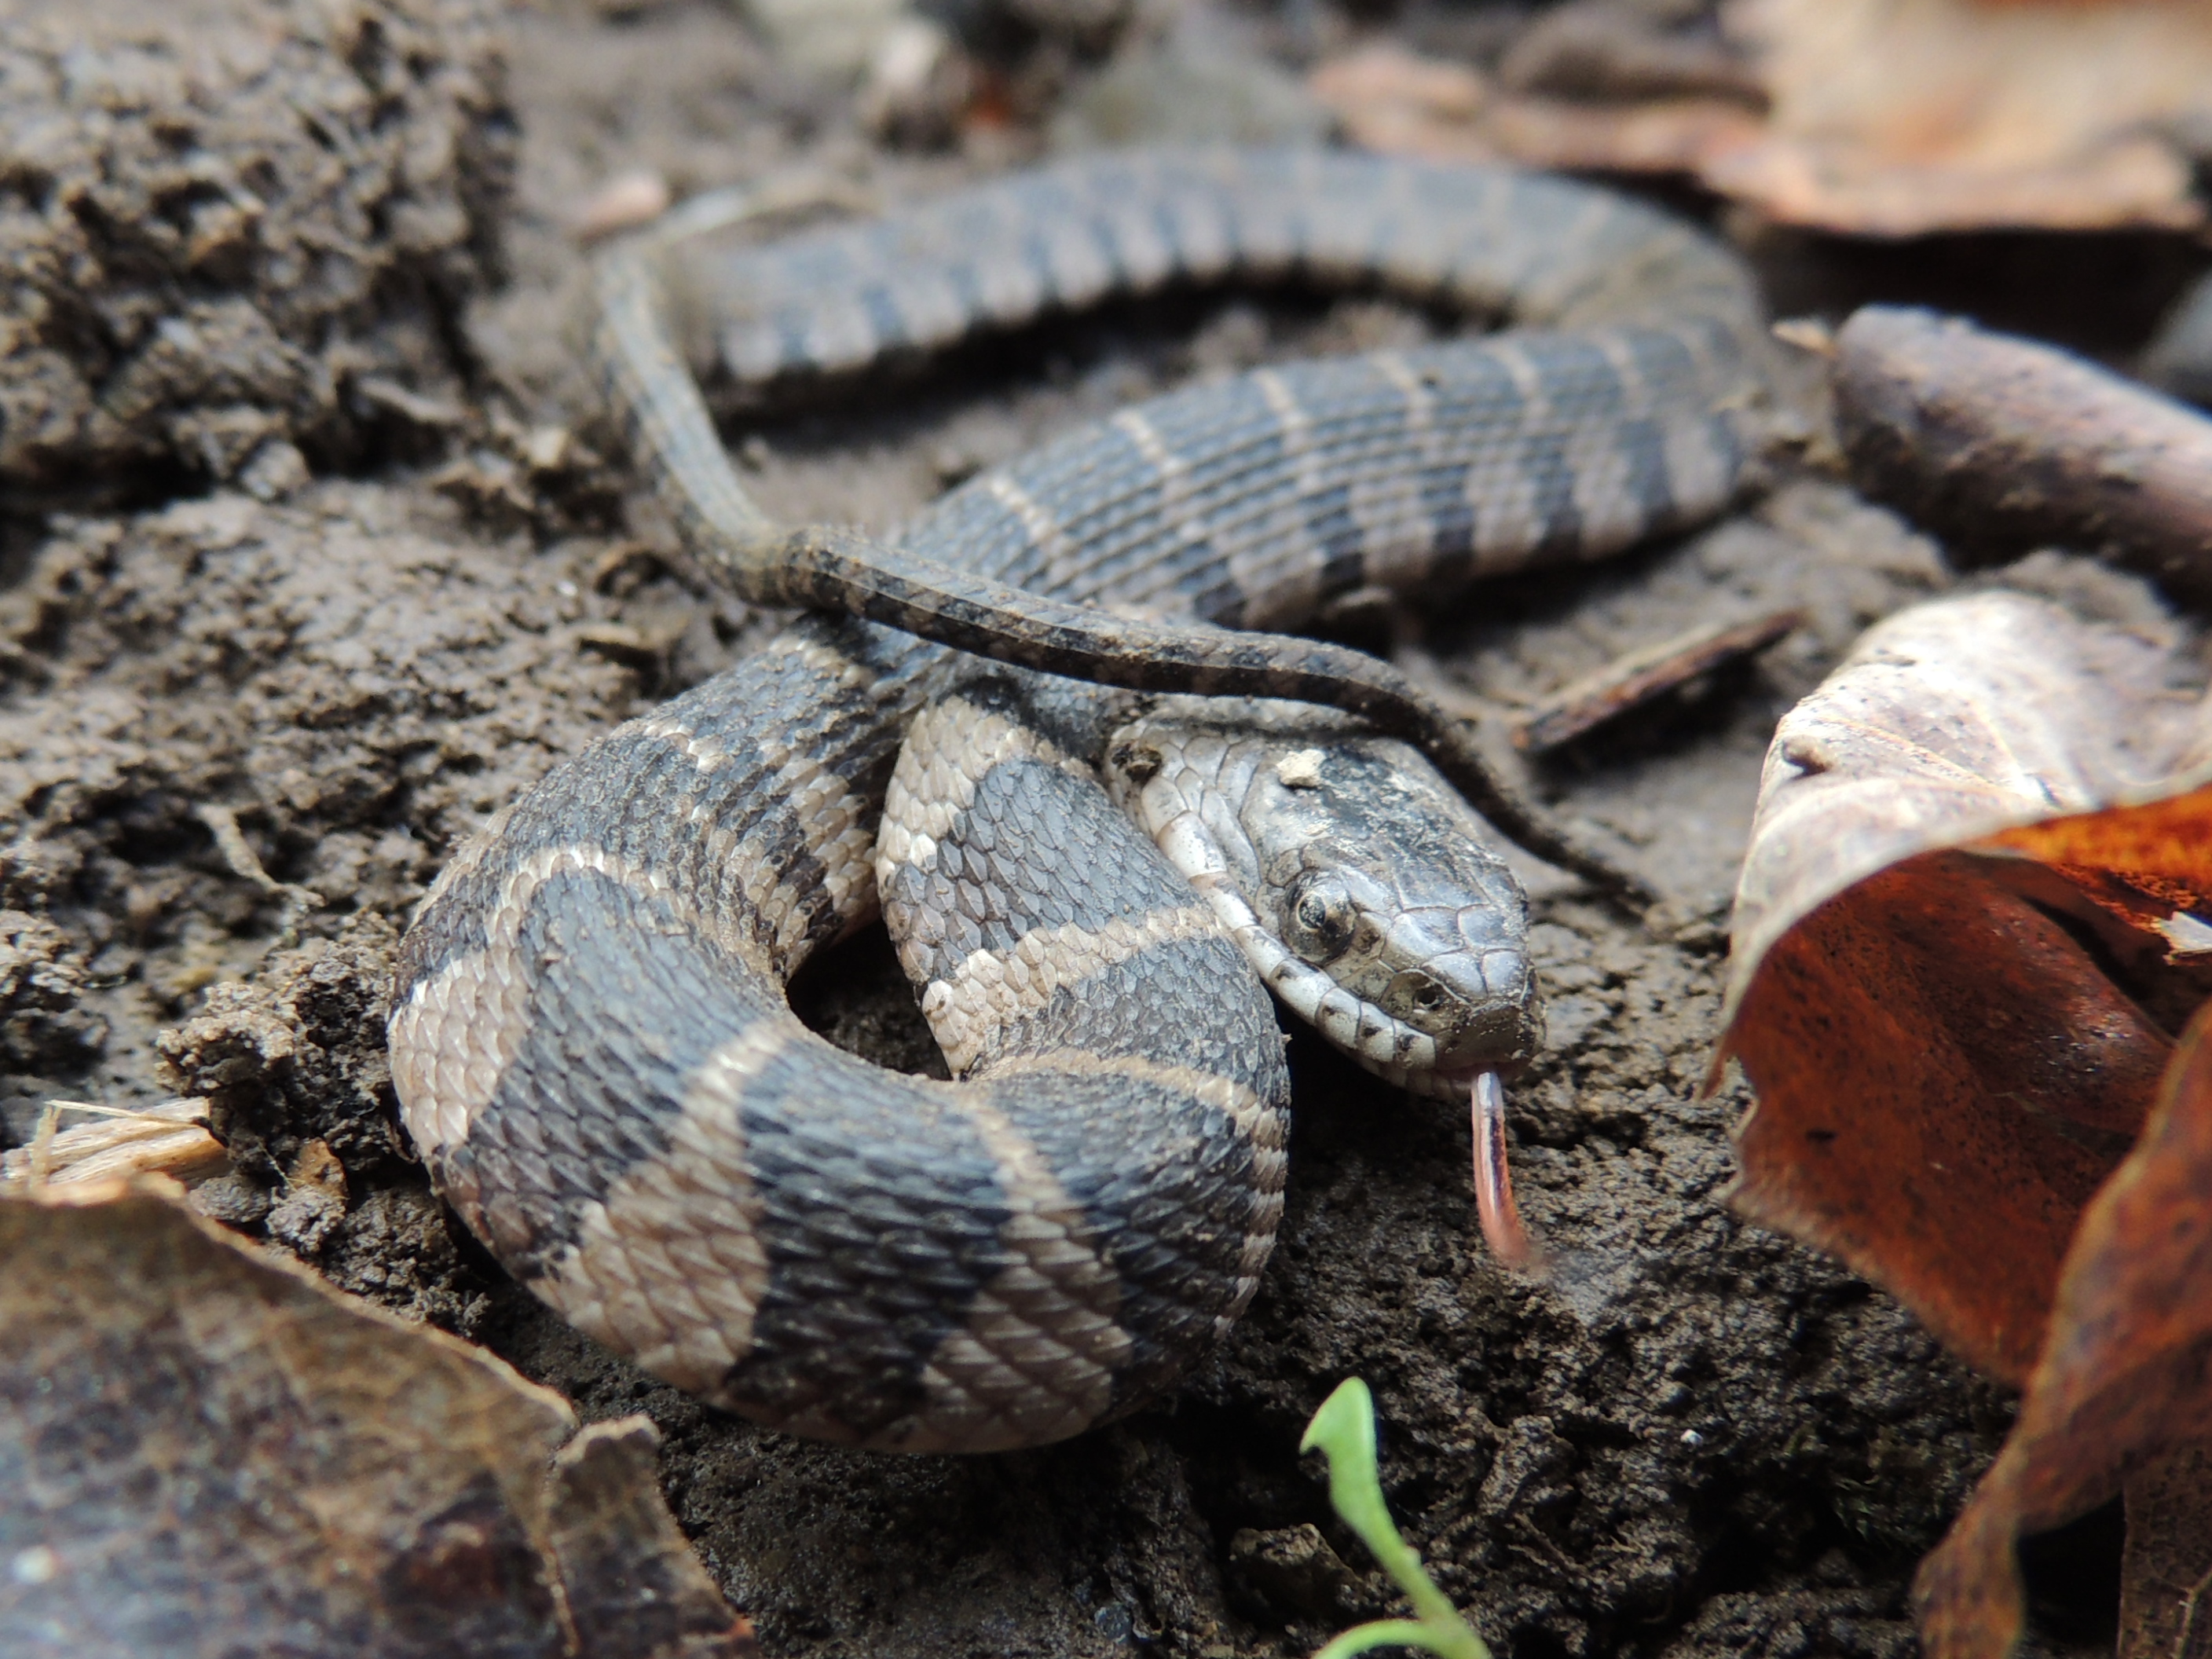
point(1874, 118)
point(2121, 1397)
point(1952, 722)
point(207, 1450)
point(1391, 100)
point(1960, 837)
point(1897, 117)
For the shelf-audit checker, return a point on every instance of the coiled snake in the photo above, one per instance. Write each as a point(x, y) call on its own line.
point(591, 1040)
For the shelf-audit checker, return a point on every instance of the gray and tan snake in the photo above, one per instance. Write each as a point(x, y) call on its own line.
point(591, 1039)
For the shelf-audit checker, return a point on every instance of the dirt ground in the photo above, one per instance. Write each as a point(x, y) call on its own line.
point(352, 606)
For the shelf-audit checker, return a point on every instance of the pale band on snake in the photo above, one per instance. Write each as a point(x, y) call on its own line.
point(591, 1039)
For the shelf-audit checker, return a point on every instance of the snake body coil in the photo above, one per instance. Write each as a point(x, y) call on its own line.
point(591, 1039)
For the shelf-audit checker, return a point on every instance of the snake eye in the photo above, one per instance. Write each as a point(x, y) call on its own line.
point(1321, 918)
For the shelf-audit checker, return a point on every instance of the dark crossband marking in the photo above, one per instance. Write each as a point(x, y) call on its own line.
point(458, 1030)
point(668, 1266)
point(988, 991)
point(1257, 1121)
point(590, 1037)
point(1041, 1345)
point(949, 749)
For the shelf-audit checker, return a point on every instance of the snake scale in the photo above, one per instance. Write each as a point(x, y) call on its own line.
point(591, 1039)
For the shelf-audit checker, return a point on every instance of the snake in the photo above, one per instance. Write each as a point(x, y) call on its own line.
point(591, 1037)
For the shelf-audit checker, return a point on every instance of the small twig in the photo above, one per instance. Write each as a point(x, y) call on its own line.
point(176, 1108)
point(623, 204)
point(169, 1136)
point(1490, 732)
point(386, 393)
point(1645, 675)
point(41, 1160)
point(2002, 446)
point(230, 841)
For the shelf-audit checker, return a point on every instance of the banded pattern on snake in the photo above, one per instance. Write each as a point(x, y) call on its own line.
point(591, 1039)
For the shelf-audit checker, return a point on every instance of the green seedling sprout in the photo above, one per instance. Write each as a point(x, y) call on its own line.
point(1344, 1429)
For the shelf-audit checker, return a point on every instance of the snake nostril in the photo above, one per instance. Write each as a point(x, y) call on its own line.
point(1415, 995)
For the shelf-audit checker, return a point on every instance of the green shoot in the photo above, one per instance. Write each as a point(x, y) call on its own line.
point(1344, 1429)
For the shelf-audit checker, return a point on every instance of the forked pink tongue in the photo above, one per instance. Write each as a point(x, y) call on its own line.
point(1493, 1180)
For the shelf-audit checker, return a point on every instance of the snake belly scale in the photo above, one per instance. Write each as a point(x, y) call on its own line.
point(591, 1039)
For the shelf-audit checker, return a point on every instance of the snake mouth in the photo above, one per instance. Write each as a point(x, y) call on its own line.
point(1455, 1080)
point(1460, 1075)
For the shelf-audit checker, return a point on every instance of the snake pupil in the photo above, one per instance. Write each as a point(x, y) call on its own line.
point(1321, 919)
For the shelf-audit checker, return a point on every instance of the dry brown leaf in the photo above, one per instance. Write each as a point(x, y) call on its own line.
point(2165, 1574)
point(1945, 1071)
point(1664, 134)
point(1897, 117)
point(628, 1574)
point(2121, 1398)
point(1884, 117)
point(207, 1450)
point(1392, 101)
point(1623, 51)
point(1396, 103)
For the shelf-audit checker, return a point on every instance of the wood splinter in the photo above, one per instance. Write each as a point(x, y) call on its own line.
point(1642, 676)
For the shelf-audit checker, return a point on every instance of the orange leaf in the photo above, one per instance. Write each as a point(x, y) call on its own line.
point(2150, 868)
point(1945, 1065)
point(1926, 1050)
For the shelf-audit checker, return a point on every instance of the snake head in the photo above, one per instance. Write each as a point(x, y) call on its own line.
point(1356, 880)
